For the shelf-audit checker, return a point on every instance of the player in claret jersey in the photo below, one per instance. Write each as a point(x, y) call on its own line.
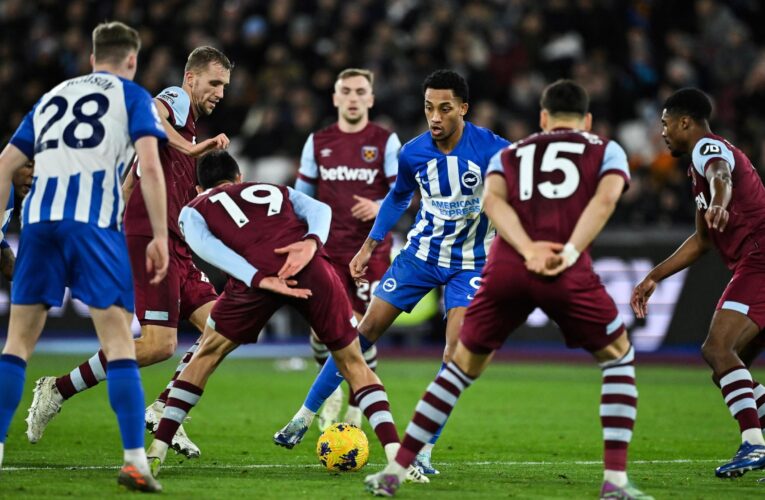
point(268, 239)
point(186, 293)
point(560, 185)
point(81, 134)
point(730, 216)
point(350, 166)
point(445, 247)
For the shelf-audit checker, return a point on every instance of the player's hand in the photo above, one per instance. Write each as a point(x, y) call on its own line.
point(299, 254)
point(284, 287)
point(358, 266)
point(157, 259)
point(542, 257)
point(364, 209)
point(216, 143)
point(717, 217)
point(7, 263)
point(640, 296)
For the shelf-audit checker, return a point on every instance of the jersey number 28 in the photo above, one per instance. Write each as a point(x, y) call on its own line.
point(550, 163)
point(274, 200)
point(80, 117)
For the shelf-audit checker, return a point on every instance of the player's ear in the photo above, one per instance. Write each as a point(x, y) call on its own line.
point(188, 78)
point(544, 117)
point(588, 122)
point(464, 108)
point(200, 189)
point(93, 61)
point(238, 178)
point(132, 61)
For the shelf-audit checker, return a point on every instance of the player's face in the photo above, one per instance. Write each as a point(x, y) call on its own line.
point(207, 87)
point(444, 112)
point(22, 178)
point(673, 132)
point(353, 97)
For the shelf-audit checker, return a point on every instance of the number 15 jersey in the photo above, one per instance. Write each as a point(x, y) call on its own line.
point(81, 136)
point(552, 176)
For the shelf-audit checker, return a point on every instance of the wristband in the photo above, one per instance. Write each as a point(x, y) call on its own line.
point(570, 253)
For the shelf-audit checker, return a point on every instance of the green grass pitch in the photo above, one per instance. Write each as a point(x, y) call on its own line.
point(522, 431)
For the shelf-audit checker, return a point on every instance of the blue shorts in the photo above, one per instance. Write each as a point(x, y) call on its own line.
point(408, 279)
point(93, 262)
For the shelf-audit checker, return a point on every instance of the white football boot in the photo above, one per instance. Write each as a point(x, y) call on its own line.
point(181, 442)
point(46, 404)
point(330, 412)
point(353, 416)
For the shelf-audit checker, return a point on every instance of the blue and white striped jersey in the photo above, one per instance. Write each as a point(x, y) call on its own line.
point(81, 136)
point(450, 230)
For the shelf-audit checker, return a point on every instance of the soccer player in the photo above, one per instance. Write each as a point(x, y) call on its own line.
point(560, 185)
point(268, 239)
point(730, 201)
point(447, 244)
point(350, 166)
point(80, 135)
point(186, 293)
point(21, 184)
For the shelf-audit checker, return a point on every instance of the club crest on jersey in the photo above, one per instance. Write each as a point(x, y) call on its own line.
point(470, 179)
point(369, 153)
point(389, 285)
point(709, 149)
point(325, 152)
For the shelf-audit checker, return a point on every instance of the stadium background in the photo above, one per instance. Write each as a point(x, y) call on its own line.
point(628, 54)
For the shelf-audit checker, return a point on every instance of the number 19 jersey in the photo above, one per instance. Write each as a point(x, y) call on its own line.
point(81, 136)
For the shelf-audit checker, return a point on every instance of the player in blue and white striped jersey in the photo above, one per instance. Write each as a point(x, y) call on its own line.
point(448, 243)
point(21, 185)
point(81, 134)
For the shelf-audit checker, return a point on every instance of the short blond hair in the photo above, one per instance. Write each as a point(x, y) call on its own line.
point(350, 72)
point(113, 41)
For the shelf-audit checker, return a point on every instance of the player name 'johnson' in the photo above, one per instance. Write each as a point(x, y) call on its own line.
point(345, 173)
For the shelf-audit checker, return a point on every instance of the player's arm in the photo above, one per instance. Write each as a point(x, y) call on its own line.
point(212, 250)
point(128, 185)
point(366, 209)
point(155, 197)
point(308, 172)
point(11, 159)
point(177, 141)
point(720, 179)
point(318, 216)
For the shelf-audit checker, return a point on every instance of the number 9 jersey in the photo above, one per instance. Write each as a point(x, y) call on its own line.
point(81, 137)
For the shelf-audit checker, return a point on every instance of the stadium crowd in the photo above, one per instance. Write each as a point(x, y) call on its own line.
point(629, 55)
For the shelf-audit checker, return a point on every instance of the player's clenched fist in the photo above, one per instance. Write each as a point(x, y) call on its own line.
point(716, 217)
point(157, 259)
point(220, 141)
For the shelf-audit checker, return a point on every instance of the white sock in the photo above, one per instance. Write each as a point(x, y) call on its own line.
point(753, 436)
point(617, 477)
point(427, 449)
point(394, 468)
point(305, 414)
point(158, 449)
point(390, 451)
point(137, 457)
point(2, 447)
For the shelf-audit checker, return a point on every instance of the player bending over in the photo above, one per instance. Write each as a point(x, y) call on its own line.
point(560, 185)
point(268, 239)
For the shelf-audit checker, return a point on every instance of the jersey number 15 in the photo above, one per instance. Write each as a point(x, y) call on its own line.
point(550, 163)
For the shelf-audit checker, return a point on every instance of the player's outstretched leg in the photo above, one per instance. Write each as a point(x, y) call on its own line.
point(186, 392)
point(326, 382)
point(181, 442)
point(354, 415)
point(330, 411)
point(618, 411)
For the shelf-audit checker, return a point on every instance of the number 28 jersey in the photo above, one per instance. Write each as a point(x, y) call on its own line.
point(81, 136)
point(552, 176)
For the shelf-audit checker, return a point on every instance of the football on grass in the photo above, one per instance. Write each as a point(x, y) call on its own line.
point(343, 448)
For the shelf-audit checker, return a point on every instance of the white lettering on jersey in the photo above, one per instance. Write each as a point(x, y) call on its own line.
point(345, 173)
point(701, 202)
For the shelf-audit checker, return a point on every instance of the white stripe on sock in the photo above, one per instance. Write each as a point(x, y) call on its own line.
point(77, 380)
point(97, 367)
point(184, 395)
point(174, 413)
point(431, 412)
point(737, 392)
point(735, 376)
point(623, 389)
point(453, 379)
point(617, 434)
point(371, 398)
point(743, 404)
point(418, 432)
point(620, 371)
point(618, 410)
point(442, 394)
point(380, 417)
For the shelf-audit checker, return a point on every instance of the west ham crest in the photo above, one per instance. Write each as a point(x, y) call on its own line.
point(369, 153)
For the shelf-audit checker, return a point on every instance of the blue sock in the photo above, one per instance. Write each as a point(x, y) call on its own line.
point(12, 374)
point(126, 397)
point(328, 380)
point(438, 432)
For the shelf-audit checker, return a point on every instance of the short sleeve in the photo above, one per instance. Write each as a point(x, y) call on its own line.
point(495, 164)
point(392, 148)
point(177, 102)
point(707, 150)
point(24, 137)
point(143, 118)
point(309, 171)
point(615, 161)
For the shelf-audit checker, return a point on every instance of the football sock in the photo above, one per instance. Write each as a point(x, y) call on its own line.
point(373, 401)
point(184, 361)
point(618, 410)
point(320, 351)
point(328, 380)
point(437, 435)
point(737, 390)
point(85, 376)
point(432, 411)
point(126, 399)
point(12, 375)
point(137, 457)
point(370, 356)
point(759, 397)
point(183, 397)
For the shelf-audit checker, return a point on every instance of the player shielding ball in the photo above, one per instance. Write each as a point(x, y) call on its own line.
point(268, 239)
point(350, 165)
point(81, 134)
point(730, 216)
point(559, 185)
